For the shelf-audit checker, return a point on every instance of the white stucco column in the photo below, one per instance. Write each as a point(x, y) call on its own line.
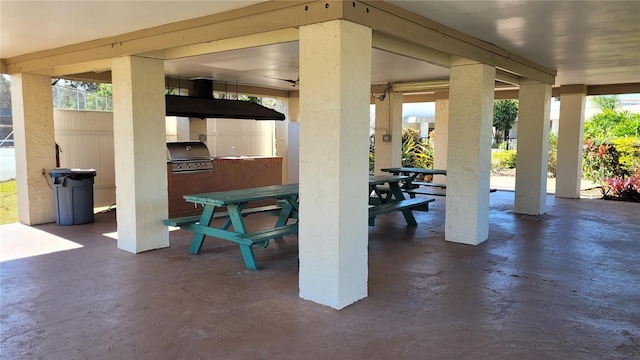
point(388, 121)
point(335, 73)
point(292, 150)
point(35, 145)
point(469, 157)
point(140, 153)
point(570, 132)
point(441, 137)
point(533, 148)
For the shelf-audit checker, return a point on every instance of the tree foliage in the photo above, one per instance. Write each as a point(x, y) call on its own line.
point(504, 115)
point(79, 85)
point(611, 122)
point(606, 102)
point(553, 155)
point(5, 92)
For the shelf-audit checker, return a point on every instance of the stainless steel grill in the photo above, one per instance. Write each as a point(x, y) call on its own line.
point(188, 156)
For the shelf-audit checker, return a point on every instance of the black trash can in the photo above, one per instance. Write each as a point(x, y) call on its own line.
point(73, 193)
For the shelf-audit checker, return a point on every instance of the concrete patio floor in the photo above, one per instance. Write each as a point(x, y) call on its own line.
point(565, 285)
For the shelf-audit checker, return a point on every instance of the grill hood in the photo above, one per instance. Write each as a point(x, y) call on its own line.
point(205, 106)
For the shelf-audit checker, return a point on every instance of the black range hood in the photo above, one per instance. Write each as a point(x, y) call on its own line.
point(203, 105)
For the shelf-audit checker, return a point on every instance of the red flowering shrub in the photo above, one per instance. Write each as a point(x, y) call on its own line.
point(626, 189)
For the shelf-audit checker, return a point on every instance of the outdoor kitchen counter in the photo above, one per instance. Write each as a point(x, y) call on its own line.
point(229, 173)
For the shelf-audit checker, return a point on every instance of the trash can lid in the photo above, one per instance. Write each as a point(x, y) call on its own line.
point(84, 171)
point(59, 171)
point(74, 171)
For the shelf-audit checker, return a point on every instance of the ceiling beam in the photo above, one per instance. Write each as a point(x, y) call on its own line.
point(507, 77)
point(614, 89)
point(395, 46)
point(243, 42)
point(98, 67)
point(101, 77)
point(418, 98)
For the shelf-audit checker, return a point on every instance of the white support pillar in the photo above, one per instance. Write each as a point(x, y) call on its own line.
point(441, 137)
point(388, 122)
point(533, 148)
point(469, 157)
point(570, 132)
point(293, 140)
point(335, 73)
point(35, 147)
point(140, 153)
point(282, 137)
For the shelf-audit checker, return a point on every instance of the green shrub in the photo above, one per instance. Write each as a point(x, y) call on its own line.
point(372, 152)
point(628, 149)
point(611, 124)
point(501, 160)
point(553, 154)
point(416, 152)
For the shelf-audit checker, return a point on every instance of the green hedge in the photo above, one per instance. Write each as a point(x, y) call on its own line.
point(502, 160)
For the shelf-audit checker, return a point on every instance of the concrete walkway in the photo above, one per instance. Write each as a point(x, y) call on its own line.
point(509, 183)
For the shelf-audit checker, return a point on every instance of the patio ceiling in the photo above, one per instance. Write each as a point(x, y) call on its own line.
point(591, 43)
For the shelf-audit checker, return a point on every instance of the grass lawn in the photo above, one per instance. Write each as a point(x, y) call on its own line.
point(8, 202)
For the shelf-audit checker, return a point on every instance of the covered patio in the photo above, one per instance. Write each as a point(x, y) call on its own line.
point(340, 56)
point(563, 285)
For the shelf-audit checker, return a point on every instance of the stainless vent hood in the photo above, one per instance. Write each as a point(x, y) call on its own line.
point(203, 105)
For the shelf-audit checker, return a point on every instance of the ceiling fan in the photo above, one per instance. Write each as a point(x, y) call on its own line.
point(290, 81)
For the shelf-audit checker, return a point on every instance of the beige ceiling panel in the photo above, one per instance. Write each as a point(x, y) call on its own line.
point(398, 23)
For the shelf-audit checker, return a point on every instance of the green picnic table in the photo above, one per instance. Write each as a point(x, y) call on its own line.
point(412, 187)
point(236, 202)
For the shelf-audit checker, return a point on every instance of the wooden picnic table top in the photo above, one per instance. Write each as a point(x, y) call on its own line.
point(222, 198)
point(398, 170)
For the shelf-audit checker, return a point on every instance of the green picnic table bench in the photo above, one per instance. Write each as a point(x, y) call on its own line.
point(388, 197)
point(193, 219)
point(406, 206)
